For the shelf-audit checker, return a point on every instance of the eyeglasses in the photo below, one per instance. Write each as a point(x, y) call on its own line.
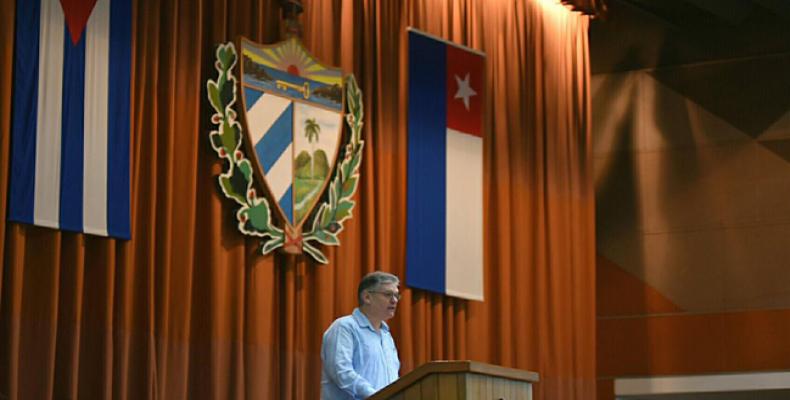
point(389, 295)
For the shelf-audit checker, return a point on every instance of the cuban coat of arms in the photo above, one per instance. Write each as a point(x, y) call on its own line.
point(279, 126)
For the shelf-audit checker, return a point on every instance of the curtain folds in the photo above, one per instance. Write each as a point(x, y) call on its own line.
point(188, 308)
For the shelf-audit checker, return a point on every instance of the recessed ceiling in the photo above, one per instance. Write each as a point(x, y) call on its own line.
point(638, 34)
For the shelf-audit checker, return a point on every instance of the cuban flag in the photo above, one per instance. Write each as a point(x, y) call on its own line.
point(444, 245)
point(70, 122)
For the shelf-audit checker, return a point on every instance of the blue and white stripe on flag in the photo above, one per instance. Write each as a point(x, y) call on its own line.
point(444, 244)
point(270, 120)
point(70, 122)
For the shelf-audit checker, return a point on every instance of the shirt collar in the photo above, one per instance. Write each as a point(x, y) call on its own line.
point(363, 321)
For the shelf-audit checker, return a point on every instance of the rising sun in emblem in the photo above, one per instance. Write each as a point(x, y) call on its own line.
point(292, 57)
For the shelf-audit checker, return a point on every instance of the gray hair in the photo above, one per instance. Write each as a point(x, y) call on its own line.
point(373, 280)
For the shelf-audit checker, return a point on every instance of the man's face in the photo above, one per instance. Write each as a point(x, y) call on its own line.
point(384, 300)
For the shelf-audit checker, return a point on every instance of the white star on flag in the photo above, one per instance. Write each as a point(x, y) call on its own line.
point(464, 90)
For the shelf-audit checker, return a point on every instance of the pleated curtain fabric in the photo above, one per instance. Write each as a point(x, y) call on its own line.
point(188, 308)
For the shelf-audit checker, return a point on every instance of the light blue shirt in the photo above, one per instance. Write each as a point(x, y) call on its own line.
point(357, 360)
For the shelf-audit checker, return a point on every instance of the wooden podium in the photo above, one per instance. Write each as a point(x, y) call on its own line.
point(460, 380)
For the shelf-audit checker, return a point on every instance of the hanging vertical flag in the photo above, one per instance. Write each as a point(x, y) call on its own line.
point(70, 124)
point(444, 245)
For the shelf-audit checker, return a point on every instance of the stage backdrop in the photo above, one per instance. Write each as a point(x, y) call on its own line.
point(187, 309)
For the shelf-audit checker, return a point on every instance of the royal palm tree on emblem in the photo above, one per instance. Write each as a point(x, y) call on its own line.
point(311, 132)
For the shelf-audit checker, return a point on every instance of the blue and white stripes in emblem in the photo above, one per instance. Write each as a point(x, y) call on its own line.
point(270, 120)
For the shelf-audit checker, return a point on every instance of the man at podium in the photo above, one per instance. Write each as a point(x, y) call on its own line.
point(358, 354)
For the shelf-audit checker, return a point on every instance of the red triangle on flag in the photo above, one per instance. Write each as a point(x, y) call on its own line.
point(77, 13)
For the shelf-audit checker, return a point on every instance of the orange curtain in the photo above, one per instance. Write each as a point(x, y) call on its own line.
point(188, 309)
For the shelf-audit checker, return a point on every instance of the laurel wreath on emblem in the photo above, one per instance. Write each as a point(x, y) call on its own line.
point(254, 214)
